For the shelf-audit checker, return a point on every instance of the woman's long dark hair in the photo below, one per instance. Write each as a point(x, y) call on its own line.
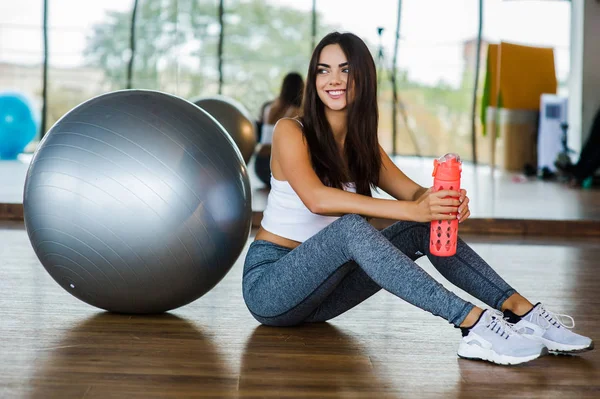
point(361, 148)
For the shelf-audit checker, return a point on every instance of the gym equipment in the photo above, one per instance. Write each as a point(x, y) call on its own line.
point(235, 119)
point(18, 125)
point(137, 201)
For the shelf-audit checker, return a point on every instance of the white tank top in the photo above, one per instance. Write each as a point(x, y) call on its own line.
point(287, 216)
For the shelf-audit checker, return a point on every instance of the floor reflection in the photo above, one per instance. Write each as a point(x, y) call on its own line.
point(112, 355)
point(317, 360)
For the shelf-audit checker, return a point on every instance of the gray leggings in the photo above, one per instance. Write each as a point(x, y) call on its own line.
point(349, 261)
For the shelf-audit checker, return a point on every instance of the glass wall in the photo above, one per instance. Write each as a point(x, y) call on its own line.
point(21, 53)
point(436, 77)
point(264, 40)
point(529, 23)
point(176, 47)
point(87, 55)
point(532, 23)
point(176, 50)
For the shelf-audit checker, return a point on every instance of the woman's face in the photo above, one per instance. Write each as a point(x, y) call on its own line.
point(332, 77)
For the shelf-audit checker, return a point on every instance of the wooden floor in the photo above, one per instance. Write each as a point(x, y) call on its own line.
point(54, 346)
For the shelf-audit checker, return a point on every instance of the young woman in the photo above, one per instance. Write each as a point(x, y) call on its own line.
point(316, 256)
point(287, 104)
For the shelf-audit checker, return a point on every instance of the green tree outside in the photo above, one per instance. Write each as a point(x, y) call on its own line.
point(176, 52)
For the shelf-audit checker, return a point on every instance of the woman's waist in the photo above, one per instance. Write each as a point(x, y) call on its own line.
point(267, 236)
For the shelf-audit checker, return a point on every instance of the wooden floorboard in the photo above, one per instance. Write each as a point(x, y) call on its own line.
point(54, 346)
point(11, 212)
point(522, 227)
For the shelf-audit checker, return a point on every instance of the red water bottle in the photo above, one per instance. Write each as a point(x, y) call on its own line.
point(444, 233)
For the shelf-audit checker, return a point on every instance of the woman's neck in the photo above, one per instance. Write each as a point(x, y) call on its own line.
point(337, 121)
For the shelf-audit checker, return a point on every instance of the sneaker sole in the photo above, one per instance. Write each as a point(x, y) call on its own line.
point(476, 352)
point(559, 349)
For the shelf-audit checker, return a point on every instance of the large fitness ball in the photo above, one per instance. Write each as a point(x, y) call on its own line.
point(137, 202)
point(235, 119)
point(17, 124)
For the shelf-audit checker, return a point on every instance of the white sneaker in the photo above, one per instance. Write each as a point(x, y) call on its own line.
point(493, 339)
point(544, 326)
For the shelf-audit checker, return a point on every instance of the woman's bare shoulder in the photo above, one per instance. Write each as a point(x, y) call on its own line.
point(288, 128)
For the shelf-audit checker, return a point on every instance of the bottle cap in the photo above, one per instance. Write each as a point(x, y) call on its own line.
point(447, 167)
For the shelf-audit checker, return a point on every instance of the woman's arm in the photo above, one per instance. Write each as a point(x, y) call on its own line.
point(291, 162)
point(394, 182)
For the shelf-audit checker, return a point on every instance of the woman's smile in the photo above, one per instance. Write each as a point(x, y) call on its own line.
point(336, 94)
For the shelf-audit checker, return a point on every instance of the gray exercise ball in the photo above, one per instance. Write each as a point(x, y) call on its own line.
point(235, 119)
point(137, 201)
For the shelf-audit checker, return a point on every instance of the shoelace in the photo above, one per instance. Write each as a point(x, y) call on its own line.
point(499, 325)
point(552, 318)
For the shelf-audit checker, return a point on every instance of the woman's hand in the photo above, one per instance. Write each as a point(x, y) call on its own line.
point(435, 206)
point(463, 208)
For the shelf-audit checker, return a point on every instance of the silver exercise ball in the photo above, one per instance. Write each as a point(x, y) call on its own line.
point(137, 201)
point(235, 119)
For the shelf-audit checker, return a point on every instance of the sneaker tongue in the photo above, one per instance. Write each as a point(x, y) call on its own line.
point(487, 317)
point(537, 308)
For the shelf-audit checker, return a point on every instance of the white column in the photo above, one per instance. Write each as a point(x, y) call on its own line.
point(584, 79)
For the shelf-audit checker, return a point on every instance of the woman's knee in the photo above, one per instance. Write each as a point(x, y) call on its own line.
point(280, 321)
point(354, 222)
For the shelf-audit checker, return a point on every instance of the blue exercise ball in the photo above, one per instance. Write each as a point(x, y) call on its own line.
point(17, 124)
point(137, 201)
